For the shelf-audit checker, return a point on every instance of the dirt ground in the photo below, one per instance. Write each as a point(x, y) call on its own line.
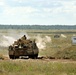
point(44, 59)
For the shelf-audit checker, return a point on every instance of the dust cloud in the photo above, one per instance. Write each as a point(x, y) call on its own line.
point(42, 41)
point(9, 39)
point(64, 36)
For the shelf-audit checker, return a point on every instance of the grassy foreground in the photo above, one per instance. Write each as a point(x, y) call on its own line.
point(59, 48)
point(36, 67)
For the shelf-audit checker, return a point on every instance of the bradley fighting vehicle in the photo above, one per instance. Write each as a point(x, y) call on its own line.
point(23, 47)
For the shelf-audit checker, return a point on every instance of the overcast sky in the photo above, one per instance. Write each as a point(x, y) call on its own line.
point(41, 12)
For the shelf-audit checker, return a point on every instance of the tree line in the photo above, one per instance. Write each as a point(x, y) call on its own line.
point(38, 27)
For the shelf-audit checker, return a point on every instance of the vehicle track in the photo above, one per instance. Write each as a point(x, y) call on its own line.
point(42, 58)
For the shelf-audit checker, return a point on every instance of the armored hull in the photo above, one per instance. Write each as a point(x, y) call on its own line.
point(23, 48)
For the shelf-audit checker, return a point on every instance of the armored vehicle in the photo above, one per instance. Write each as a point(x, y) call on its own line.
point(23, 47)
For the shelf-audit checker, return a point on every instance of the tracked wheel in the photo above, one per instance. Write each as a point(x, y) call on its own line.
point(34, 56)
point(11, 56)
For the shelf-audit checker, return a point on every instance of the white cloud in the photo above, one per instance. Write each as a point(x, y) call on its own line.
point(67, 8)
point(19, 10)
point(2, 2)
point(20, 1)
point(37, 10)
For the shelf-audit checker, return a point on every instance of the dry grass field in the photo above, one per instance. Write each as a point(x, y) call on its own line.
point(59, 53)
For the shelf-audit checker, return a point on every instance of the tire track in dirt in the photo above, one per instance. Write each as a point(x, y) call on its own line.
point(44, 59)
